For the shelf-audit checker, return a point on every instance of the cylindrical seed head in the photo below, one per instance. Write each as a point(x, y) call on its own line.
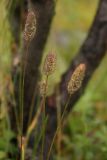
point(76, 79)
point(49, 64)
point(30, 26)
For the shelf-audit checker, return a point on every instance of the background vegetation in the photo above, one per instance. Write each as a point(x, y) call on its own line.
point(84, 137)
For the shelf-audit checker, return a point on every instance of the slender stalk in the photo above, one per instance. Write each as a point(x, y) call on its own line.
point(31, 107)
point(22, 77)
point(33, 123)
point(44, 116)
point(23, 152)
point(58, 127)
point(37, 140)
point(59, 134)
point(44, 98)
point(16, 114)
point(17, 120)
point(23, 80)
point(20, 109)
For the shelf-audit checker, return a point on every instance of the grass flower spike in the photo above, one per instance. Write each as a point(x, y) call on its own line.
point(49, 64)
point(42, 88)
point(76, 79)
point(30, 26)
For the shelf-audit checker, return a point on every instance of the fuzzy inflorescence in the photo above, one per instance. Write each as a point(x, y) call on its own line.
point(76, 79)
point(30, 26)
point(49, 64)
point(42, 88)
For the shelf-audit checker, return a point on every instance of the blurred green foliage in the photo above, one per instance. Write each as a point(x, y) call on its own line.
point(5, 63)
point(86, 128)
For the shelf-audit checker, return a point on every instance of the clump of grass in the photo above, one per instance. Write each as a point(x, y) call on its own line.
point(48, 69)
point(73, 85)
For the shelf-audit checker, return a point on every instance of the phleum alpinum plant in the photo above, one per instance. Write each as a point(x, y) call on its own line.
point(49, 66)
